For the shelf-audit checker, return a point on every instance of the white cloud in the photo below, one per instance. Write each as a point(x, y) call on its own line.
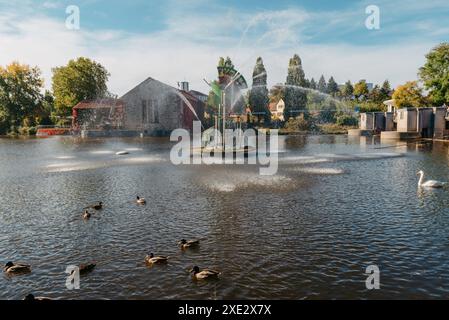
point(188, 49)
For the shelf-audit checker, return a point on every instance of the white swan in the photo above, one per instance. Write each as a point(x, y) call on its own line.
point(430, 183)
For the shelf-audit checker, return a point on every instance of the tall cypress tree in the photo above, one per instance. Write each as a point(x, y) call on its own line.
point(322, 85)
point(295, 95)
point(258, 97)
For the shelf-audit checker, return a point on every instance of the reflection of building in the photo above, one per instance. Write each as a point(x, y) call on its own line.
point(277, 110)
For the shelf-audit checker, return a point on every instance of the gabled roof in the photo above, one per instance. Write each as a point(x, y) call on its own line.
point(194, 92)
point(99, 104)
point(176, 90)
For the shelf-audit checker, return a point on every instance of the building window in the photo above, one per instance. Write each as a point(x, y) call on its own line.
point(156, 112)
point(153, 111)
point(144, 111)
point(447, 125)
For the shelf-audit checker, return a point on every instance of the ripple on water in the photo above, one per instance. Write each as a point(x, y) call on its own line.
point(288, 236)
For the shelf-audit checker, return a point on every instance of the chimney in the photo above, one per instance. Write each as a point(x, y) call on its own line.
point(184, 85)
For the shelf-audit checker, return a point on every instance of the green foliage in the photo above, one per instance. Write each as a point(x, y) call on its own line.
point(295, 124)
point(332, 87)
point(322, 85)
point(277, 93)
point(312, 84)
point(347, 91)
point(361, 90)
point(370, 106)
point(20, 95)
point(347, 120)
point(295, 97)
point(435, 74)
point(258, 97)
point(385, 91)
point(409, 95)
point(80, 79)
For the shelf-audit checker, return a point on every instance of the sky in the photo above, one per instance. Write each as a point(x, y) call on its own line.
point(176, 41)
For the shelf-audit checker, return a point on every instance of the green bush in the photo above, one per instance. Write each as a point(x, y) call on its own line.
point(347, 120)
point(297, 124)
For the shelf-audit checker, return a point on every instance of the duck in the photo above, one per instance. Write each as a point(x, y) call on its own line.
point(32, 297)
point(151, 259)
point(86, 268)
point(141, 200)
point(429, 183)
point(186, 244)
point(86, 215)
point(204, 274)
point(16, 268)
point(98, 206)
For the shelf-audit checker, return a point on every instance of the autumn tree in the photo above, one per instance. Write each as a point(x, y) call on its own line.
point(20, 95)
point(409, 95)
point(361, 90)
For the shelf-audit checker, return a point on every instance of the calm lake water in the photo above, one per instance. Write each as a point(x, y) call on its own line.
point(337, 205)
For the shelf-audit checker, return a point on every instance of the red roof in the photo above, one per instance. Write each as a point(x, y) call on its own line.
point(99, 104)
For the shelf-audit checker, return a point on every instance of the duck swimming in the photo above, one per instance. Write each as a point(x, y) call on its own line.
point(141, 200)
point(32, 297)
point(204, 274)
point(98, 206)
point(86, 268)
point(16, 268)
point(151, 259)
point(184, 244)
point(86, 215)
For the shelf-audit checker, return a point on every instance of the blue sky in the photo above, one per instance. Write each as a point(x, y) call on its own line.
point(182, 40)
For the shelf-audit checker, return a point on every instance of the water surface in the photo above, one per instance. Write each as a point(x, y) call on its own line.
point(337, 205)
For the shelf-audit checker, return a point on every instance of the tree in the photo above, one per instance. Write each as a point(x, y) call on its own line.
point(375, 95)
point(409, 95)
point(332, 87)
point(385, 91)
point(361, 90)
point(322, 85)
point(435, 74)
point(277, 93)
point(20, 94)
point(46, 109)
point(347, 90)
point(258, 98)
point(81, 79)
point(295, 95)
point(312, 84)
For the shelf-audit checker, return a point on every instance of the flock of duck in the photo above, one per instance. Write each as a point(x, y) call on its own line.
point(15, 269)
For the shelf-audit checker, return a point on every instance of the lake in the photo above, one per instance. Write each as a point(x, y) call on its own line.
point(337, 205)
